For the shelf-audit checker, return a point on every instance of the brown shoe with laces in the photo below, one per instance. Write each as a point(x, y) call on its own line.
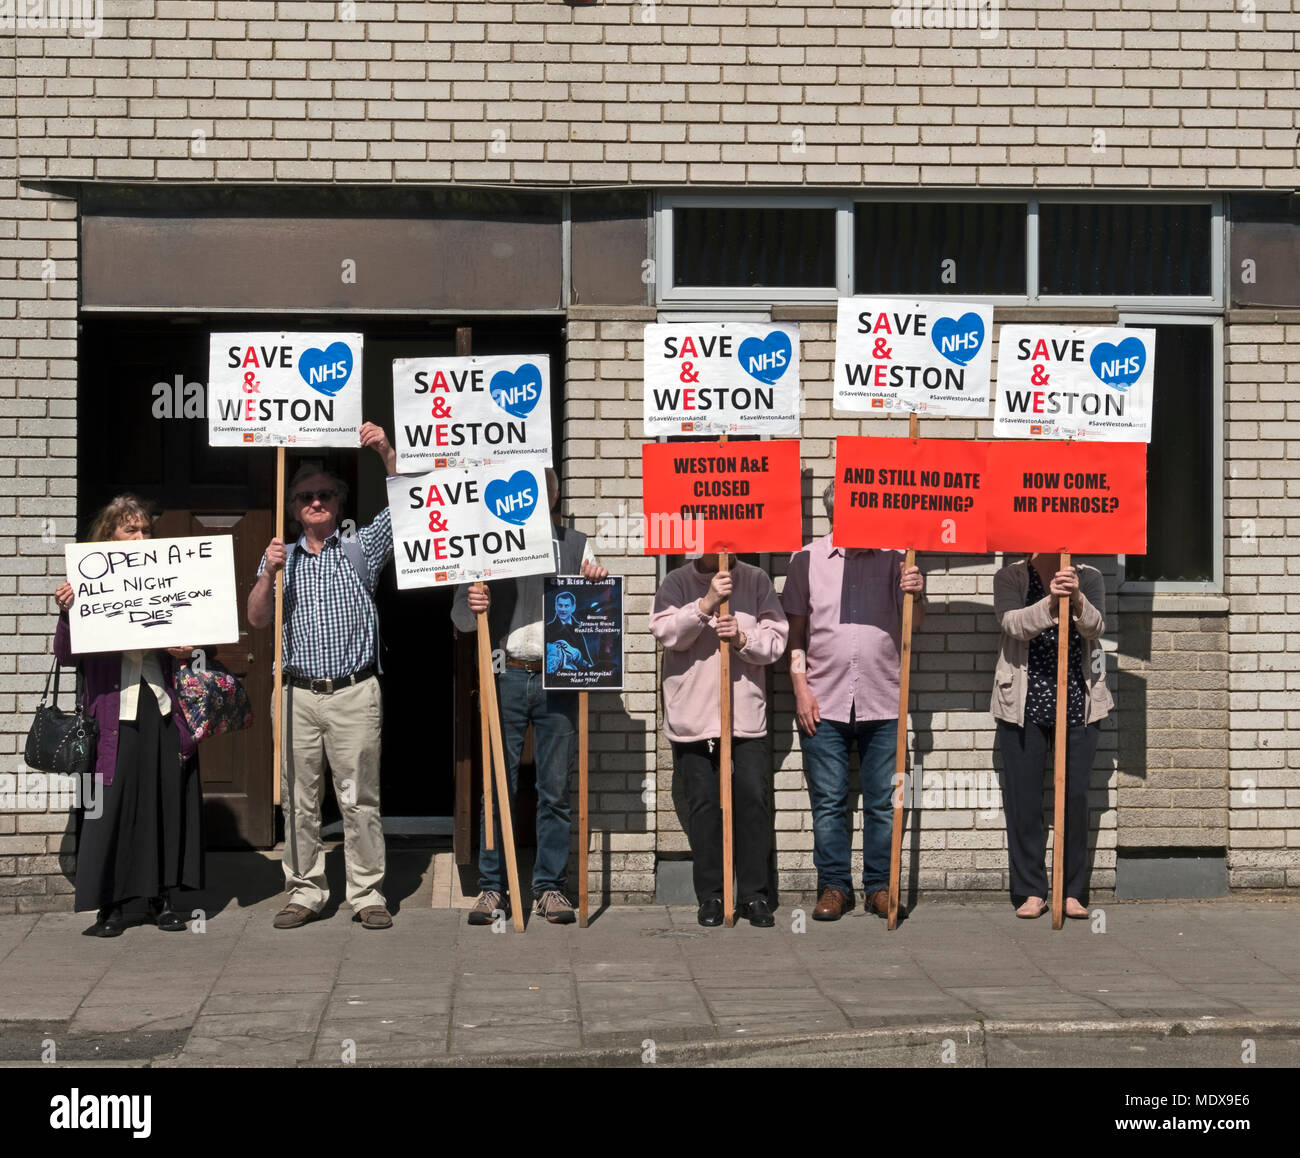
point(878, 903)
point(833, 904)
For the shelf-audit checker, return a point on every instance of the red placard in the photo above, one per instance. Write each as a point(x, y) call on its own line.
point(927, 493)
point(721, 496)
point(1083, 497)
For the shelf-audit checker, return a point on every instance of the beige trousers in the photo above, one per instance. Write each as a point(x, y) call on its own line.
point(343, 728)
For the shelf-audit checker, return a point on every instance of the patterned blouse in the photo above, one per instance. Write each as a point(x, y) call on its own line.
point(1040, 692)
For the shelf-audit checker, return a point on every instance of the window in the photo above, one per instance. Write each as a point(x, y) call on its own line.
point(1124, 250)
point(1184, 464)
point(740, 247)
point(929, 247)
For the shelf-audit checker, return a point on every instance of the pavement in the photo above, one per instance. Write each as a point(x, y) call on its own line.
point(1140, 984)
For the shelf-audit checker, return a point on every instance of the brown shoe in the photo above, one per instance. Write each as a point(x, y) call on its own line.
point(878, 903)
point(833, 904)
point(294, 916)
point(374, 917)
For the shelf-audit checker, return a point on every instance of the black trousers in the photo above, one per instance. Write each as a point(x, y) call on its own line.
point(751, 810)
point(1024, 752)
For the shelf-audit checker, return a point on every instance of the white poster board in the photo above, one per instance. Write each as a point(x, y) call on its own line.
point(461, 525)
point(897, 355)
point(721, 378)
point(281, 389)
point(450, 412)
point(152, 593)
point(1093, 382)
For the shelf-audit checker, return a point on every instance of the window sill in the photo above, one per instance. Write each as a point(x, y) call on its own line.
point(1172, 602)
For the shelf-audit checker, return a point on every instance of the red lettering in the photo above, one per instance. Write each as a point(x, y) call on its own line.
point(1040, 350)
point(882, 323)
point(688, 348)
point(439, 381)
point(248, 410)
point(440, 548)
point(879, 372)
point(440, 436)
point(434, 496)
point(250, 358)
point(688, 395)
point(1038, 402)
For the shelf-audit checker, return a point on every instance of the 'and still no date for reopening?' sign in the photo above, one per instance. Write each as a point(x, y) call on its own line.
point(281, 389)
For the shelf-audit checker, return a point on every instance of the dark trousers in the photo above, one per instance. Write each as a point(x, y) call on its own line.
point(751, 810)
point(1024, 752)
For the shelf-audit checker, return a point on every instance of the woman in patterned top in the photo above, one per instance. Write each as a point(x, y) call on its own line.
point(1026, 598)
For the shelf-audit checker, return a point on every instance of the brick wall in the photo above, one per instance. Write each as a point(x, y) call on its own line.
point(1184, 94)
point(38, 329)
point(1261, 544)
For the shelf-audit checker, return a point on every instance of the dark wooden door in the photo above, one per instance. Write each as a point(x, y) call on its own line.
point(236, 768)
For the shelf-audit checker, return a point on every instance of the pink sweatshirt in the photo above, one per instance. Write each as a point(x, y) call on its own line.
point(691, 661)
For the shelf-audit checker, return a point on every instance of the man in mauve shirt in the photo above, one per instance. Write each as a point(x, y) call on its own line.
point(845, 608)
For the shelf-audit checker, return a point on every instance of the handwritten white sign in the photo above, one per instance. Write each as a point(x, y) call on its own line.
point(151, 593)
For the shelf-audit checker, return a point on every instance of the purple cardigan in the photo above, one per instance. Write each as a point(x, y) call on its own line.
point(102, 672)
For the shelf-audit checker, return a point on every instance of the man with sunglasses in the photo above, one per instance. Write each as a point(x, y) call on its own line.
point(332, 706)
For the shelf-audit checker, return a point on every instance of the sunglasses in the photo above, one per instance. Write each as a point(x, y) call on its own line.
point(308, 497)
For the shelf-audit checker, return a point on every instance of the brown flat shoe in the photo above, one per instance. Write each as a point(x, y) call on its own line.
point(294, 916)
point(1027, 910)
point(878, 903)
point(374, 917)
point(1078, 913)
point(832, 905)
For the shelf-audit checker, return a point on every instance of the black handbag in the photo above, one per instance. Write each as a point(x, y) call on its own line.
point(61, 741)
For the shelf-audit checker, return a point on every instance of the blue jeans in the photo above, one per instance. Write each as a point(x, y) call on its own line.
point(826, 765)
point(554, 716)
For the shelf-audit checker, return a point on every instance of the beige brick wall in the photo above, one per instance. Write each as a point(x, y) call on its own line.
point(38, 330)
point(1261, 546)
point(1184, 94)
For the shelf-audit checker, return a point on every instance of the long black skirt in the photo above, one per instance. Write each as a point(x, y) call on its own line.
point(149, 835)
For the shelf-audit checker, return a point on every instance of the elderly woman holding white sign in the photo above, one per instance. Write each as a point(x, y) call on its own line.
point(141, 825)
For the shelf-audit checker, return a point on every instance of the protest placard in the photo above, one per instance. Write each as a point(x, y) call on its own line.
point(461, 525)
point(152, 593)
point(468, 411)
point(1087, 498)
point(1092, 383)
point(923, 357)
point(721, 378)
point(583, 630)
point(925, 493)
point(703, 497)
point(281, 389)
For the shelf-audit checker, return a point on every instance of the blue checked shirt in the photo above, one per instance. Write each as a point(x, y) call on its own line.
point(331, 626)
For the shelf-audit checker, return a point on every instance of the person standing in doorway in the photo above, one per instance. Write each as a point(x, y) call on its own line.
point(332, 705)
point(516, 614)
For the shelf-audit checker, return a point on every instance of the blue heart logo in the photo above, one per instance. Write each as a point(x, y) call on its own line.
point(326, 370)
point(1119, 366)
point(512, 500)
point(765, 359)
point(958, 339)
point(519, 392)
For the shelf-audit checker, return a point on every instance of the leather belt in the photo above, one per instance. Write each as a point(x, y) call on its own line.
point(329, 687)
point(525, 664)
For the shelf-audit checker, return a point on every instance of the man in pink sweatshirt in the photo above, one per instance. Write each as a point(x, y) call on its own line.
point(687, 622)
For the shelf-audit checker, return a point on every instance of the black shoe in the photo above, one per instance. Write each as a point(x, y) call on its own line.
point(164, 916)
point(110, 923)
point(760, 916)
point(710, 914)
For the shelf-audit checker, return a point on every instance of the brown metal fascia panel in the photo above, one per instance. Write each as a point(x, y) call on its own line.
point(285, 263)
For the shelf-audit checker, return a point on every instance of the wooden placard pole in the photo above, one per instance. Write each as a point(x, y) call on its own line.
point(1059, 734)
point(485, 738)
point(584, 817)
point(277, 689)
point(488, 687)
point(900, 751)
point(724, 766)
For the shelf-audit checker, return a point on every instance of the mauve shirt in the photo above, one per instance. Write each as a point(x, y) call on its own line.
point(692, 669)
point(855, 627)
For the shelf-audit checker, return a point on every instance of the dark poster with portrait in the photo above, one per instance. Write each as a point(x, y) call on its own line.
point(584, 633)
